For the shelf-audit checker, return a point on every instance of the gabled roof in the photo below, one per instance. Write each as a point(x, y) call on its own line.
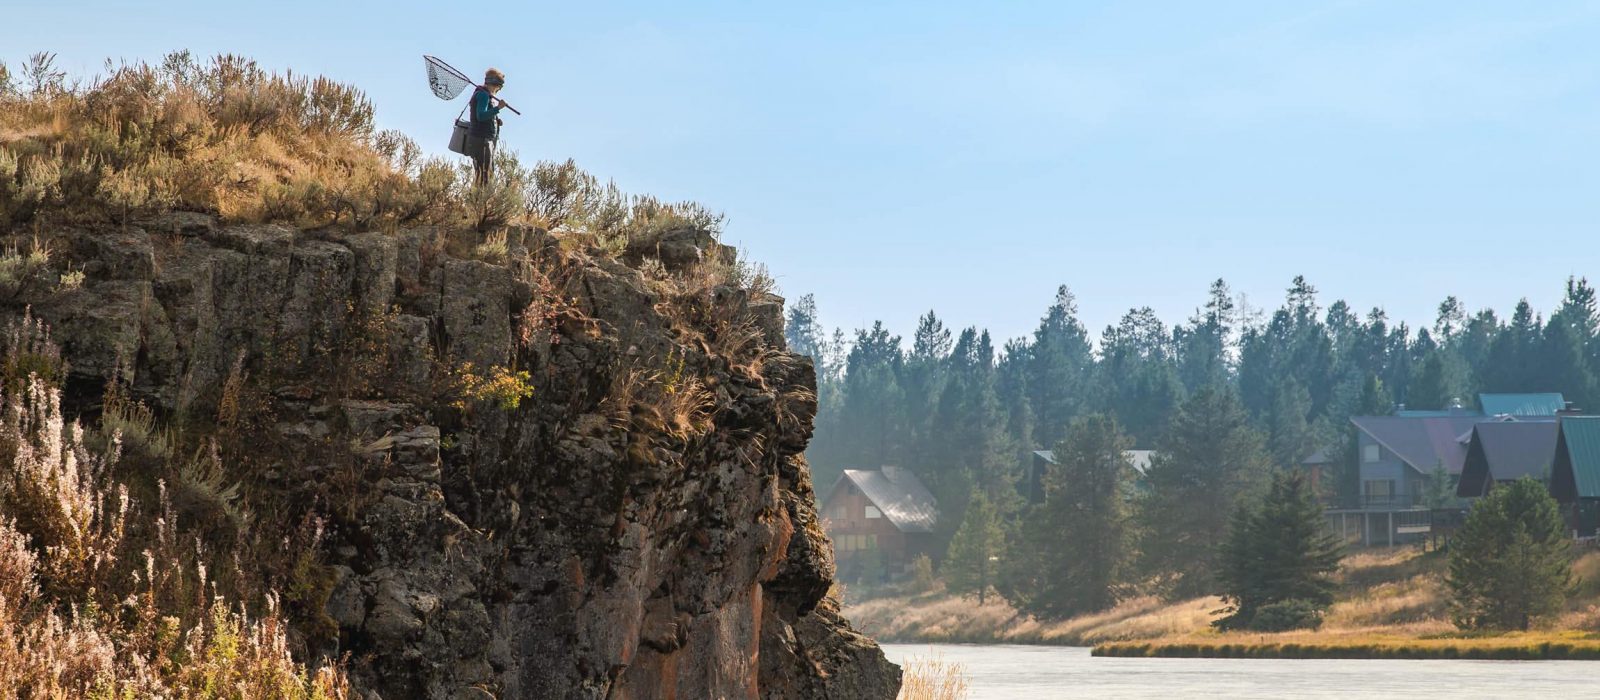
point(899, 494)
point(1138, 459)
point(1576, 473)
point(1545, 404)
point(1421, 442)
point(1507, 450)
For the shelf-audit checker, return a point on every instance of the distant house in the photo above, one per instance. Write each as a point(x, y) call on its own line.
point(885, 515)
point(1523, 405)
point(1396, 455)
point(1032, 485)
point(1575, 472)
point(1503, 451)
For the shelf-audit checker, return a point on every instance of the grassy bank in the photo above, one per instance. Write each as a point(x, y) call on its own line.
point(1553, 645)
point(937, 617)
point(1390, 604)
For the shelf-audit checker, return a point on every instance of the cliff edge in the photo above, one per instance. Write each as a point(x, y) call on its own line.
point(532, 469)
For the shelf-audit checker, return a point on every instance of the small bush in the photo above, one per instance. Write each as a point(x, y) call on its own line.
point(503, 386)
point(1287, 615)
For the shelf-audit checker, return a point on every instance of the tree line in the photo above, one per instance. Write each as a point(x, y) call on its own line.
point(1227, 398)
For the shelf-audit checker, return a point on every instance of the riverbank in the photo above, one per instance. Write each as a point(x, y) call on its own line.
point(1568, 645)
point(1390, 604)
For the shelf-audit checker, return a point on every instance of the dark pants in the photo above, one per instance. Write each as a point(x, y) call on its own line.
point(482, 152)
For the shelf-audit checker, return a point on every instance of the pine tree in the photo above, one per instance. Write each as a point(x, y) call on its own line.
point(1290, 437)
point(872, 415)
point(1138, 382)
point(1061, 362)
point(803, 332)
point(1439, 491)
point(1209, 459)
point(1278, 552)
point(925, 375)
point(1433, 388)
point(1510, 563)
point(971, 562)
point(1079, 542)
point(1203, 346)
point(1452, 319)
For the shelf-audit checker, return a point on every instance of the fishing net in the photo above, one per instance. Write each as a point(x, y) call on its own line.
point(446, 81)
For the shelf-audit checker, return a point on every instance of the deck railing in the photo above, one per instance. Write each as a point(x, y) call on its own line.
point(1394, 500)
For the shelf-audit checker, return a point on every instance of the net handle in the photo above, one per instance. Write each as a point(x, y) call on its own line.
point(463, 76)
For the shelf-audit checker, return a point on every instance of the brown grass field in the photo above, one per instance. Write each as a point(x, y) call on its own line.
point(1391, 603)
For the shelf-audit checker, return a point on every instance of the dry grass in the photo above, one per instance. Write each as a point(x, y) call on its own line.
point(938, 617)
point(222, 136)
point(1386, 599)
point(933, 679)
point(662, 401)
point(100, 595)
point(227, 137)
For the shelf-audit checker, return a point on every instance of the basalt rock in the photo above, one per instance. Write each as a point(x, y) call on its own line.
point(596, 540)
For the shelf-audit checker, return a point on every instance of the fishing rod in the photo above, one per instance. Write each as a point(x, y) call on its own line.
point(448, 83)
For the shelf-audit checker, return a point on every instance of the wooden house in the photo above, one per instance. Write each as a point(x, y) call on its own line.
point(879, 519)
point(1575, 472)
point(1504, 451)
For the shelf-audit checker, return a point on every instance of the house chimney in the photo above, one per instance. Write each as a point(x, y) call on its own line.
point(891, 473)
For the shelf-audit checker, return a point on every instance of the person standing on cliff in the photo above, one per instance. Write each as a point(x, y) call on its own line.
point(485, 129)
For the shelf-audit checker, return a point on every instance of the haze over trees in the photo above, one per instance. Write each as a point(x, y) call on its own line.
point(1225, 397)
point(1053, 575)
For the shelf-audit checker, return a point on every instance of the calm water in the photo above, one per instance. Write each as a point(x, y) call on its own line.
point(1011, 672)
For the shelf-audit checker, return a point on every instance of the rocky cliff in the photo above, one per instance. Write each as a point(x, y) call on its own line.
point(537, 470)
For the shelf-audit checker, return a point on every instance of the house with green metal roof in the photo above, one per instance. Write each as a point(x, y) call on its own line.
point(1575, 474)
point(1522, 405)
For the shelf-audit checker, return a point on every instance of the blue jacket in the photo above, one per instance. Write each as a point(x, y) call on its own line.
point(484, 113)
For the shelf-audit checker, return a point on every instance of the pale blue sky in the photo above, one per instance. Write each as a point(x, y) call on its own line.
point(969, 157)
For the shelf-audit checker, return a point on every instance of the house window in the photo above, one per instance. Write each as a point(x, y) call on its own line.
point(873, 513)
point(1370, 453)
point(872, 542)
point(1378, 490)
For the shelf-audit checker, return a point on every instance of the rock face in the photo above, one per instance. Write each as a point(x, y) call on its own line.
point(641, 526)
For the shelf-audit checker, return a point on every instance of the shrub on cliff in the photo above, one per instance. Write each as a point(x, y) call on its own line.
point(1511, 563)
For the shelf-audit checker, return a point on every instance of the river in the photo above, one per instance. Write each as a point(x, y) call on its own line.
point(1012, 672)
